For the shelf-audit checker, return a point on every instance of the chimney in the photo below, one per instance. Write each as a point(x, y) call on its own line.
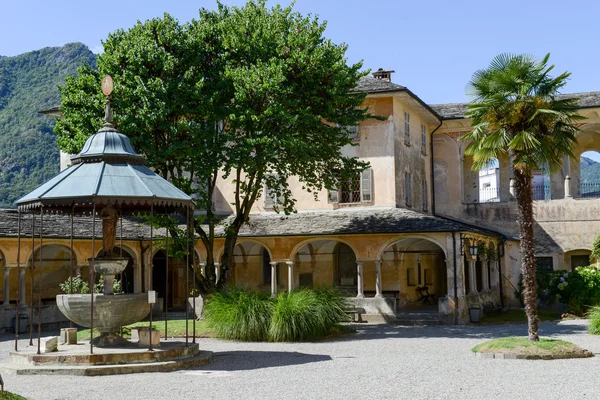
point(383, 75)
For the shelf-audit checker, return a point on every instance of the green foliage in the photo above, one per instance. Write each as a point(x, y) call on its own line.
point(79, 286)
point(521, 345)
point(594, 316)
point(544, 295)
point(306, 314)
point(28, 151)
point(239, 314)
point(579, 289)
point(251, 94)
point(244, 314)
point(6, 395)
point(596, 249)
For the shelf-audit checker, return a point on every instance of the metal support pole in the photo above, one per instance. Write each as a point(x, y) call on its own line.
point(92, 277)
point(71, 260)
point(32, 279)
point(166, 273)
point(19, 283)
point(41, 281)
point(194, 279)
point(151, 272)
point(187, 274)
point(121, 255)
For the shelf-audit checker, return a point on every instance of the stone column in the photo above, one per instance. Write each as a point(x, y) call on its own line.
point(202, 269)
point(290, 265)
point(378, 279)
point(568, 194)
point(359, 279)
point(217, 272)
point(273, 278)
point(22, 294)
point(472, 276)
point(6, 301)
point(484, 274)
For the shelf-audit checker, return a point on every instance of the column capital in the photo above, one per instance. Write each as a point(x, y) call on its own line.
point(273, 263)
point(289, 263)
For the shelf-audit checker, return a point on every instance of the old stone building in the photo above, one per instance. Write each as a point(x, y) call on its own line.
point(415, 232)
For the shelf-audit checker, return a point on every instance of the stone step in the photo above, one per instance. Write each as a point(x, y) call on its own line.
point(203, 357)
point(418, 316)
point(416, 322)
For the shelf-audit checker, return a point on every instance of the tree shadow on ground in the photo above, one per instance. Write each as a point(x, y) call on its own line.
point(249, 360)
point(492, 331)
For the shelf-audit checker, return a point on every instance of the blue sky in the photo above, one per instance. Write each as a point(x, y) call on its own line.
point(434, 46)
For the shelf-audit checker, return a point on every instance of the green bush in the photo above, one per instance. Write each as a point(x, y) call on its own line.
point(303, 314)
point(594, 316)
point(81, 287)
point(239, 314)
point(578, 290)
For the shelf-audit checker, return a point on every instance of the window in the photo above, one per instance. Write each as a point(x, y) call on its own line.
point(358, 189)
point(423, 140)
point(353, 132)
point(410, 280)
point(407, 191)
point(406, 128)
point(270, 197)
point(424, 195)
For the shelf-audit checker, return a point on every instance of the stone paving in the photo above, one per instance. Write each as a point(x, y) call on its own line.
point(379, 362)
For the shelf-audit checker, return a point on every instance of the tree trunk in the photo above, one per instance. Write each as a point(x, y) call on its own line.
point(524, 195)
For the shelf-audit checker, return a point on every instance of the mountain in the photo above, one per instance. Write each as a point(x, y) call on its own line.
point(590, 170)
point(28, 83)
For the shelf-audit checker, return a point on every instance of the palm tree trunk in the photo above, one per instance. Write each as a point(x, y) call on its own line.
point(524, 195)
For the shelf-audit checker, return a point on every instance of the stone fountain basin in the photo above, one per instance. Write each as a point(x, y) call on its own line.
point(109, 265)
point(110, 312)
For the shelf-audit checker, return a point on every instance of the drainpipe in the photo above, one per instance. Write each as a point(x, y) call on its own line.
point(432, 174)
point(455, 283)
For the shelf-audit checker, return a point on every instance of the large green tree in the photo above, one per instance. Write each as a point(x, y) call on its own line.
point(253, 95)
point(516, 111)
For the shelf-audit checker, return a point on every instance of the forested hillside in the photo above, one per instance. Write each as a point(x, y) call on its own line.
point(590, 171)
point(28, 152)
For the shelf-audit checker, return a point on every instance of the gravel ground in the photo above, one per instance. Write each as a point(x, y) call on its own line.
point(379, 362)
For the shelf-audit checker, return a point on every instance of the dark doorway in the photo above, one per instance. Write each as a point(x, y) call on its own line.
point(159, 279)
point(345, 267)
point(127, 276)
point(580, 261)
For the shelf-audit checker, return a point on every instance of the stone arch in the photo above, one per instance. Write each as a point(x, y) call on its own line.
point(395, 240)
point(304, 242)
point(219, 253)
point(53, 270)
point(576, 258)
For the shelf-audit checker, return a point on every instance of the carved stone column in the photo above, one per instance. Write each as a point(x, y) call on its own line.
point(273, 278)
point(472, 276)
point(378, 279)
point(217, 272)
point(6, 301)
point(290, 265)
point(22, 293)
point(359, 279)
point(484, 274)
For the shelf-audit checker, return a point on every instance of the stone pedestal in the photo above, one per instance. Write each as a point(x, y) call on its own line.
point(146, 335)
point(68, 336)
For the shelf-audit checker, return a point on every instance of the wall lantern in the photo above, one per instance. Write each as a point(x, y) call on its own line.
point(473, 250)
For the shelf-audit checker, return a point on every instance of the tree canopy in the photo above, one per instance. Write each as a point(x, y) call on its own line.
point(251, 94)
point(516, 111)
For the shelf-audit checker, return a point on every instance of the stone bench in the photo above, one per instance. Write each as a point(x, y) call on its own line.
point(142, 335)
point(354, 313)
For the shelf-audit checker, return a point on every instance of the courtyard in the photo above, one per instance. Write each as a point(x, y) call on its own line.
point(379, 361)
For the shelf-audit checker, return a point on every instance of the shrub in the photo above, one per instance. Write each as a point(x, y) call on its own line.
point(579, 289)
point(596, 249)
point(81, 287)
point(239, 314)
point(306, 314)
point(594, 316)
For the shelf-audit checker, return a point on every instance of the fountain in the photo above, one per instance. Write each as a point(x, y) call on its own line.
point(107, 179)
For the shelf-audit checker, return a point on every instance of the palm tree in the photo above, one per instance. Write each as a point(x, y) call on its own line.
point(517, 111)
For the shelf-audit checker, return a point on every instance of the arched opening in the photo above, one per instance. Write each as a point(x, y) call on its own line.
point(53, 269)
point(326, 263)
point(413, 268)
point(489, 182)
point(159, 280)
point(251, 266)
point(577, 258)
point(345, 267)
point(589, 164)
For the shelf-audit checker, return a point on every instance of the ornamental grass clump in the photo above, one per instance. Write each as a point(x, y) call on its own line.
point(306, 314)
point(239, 314)
point(594, 317)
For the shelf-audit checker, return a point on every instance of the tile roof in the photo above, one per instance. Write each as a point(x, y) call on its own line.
point(359, 220)
point(372, 85)
point(458, 110)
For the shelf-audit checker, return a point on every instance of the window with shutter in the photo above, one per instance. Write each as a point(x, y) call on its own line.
point(332, 196)
point(353, 132)
point(366, 186)
point(269, 197)
point(406, 128)
point(423, 140)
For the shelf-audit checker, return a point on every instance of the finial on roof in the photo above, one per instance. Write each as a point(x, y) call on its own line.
point(107, 89)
